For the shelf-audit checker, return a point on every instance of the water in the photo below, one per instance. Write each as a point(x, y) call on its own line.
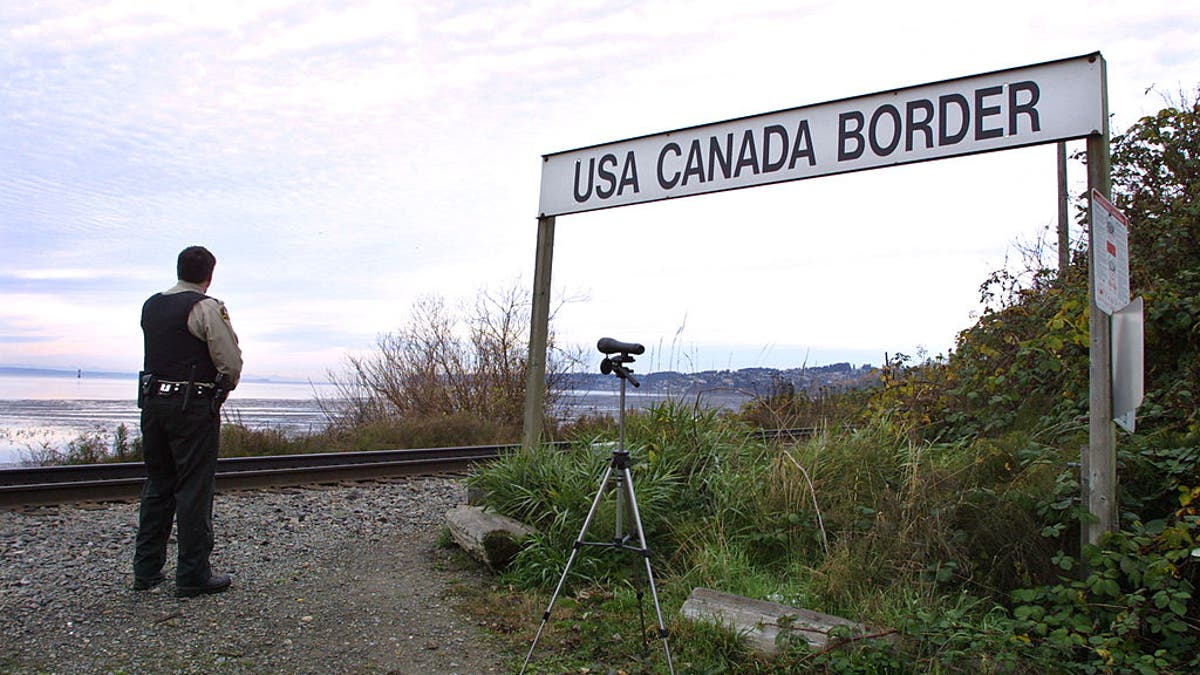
point(39, 411)
point(49, 411)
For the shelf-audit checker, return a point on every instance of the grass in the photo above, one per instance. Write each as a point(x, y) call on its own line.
point(862, 523)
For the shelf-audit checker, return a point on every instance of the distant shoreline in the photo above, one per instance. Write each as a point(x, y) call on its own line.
point(749, 381)
point(54, 372)
point(20, 371)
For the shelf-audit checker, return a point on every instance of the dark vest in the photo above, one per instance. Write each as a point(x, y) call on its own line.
point(171, 350)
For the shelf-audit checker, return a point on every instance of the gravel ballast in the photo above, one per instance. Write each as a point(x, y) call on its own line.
point(342, 579)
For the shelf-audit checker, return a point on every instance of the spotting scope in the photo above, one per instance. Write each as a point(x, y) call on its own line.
point(611, 346)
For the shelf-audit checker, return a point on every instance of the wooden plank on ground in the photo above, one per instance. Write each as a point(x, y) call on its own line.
point(491, 538)
point(762, 621)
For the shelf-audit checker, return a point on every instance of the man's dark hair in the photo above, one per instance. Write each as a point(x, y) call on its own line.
point(195, 265)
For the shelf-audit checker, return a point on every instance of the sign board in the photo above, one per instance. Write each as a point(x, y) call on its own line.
point(1054, 101)
point(1110, 255)
point(1128, 345)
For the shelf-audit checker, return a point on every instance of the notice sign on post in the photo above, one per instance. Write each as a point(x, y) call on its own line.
point(1110, 255)
point(1127, 364)
point(1044, 103)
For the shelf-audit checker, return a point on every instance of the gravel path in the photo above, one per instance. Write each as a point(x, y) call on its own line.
point(345, 579)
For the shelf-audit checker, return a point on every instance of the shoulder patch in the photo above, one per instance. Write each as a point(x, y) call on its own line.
point(224, 313)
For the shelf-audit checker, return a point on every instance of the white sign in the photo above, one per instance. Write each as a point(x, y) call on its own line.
point(1110, 255)
point(1042, 103)
point(1128, 355)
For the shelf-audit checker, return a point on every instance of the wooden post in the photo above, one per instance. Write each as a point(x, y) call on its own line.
point(1099, 471)
point(539, 334)
point(1064, 242)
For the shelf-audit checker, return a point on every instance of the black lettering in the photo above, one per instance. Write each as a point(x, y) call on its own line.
point(606, 177)
point(629, 175)
point(580, 198)
point(855, 134)
point(695, 163)
point(982, 111)
point(747, 156)
point(663, 182)
point(1015, 108)
point(803, 146)
point(768, 164)
point(873, 135)
point(715, 157)
point(913, 125)
point(964, 109)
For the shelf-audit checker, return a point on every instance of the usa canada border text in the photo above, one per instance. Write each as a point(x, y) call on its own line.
point(1030, 105)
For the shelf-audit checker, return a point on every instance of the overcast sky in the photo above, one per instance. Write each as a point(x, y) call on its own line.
point(343, 159)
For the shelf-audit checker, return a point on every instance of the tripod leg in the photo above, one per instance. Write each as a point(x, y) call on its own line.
point(637, 519)
point(640, 593)
point(587, 522)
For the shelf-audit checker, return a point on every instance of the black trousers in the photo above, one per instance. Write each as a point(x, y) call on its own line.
point(180, 447)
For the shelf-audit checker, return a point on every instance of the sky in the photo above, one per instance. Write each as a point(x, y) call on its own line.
point(343, 160)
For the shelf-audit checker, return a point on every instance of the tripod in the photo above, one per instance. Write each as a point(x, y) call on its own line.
point(618, 354)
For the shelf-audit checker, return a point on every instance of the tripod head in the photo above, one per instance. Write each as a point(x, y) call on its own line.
point(614, 363)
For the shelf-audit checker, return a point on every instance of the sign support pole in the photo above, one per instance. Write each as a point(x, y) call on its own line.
point(1064, 237)
point(1098, 475)
point(539, 334)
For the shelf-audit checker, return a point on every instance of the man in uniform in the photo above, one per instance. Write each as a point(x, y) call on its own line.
point(192, 360)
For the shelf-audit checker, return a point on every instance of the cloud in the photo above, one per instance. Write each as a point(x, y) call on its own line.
point(56, 274)
point(343, 158)
point(335, 25)
point(88, 25)
point(24, 339)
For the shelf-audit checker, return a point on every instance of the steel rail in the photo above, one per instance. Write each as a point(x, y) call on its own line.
point(120, 481)
point(784, 434)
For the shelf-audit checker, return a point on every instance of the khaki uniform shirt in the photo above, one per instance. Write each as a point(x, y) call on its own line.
point(209, 321)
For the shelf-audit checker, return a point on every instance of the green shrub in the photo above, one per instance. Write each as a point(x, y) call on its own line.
point(1135, 608)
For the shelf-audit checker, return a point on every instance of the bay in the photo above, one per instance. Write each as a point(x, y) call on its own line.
point(38, 411)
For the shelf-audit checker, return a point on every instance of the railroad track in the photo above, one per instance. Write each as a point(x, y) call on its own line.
point(120, 481)
point(107, 482)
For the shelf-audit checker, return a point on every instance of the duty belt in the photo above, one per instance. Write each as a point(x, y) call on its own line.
point(172, 388)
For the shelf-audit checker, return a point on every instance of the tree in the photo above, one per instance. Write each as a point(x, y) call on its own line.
point(1156, 182)
point(1024, 363)
point(470, 363)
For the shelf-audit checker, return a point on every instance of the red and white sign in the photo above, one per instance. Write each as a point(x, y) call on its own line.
point(1110, 237)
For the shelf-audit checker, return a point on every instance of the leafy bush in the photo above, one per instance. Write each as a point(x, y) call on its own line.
point(1024, 364)
point(1134, 610)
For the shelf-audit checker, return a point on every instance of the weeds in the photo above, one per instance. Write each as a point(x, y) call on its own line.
point(92, 447)
point(943, 543)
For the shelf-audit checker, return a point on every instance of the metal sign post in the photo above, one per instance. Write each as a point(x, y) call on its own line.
point(1064, 222)
point(1098, 476)
point(539, 334)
